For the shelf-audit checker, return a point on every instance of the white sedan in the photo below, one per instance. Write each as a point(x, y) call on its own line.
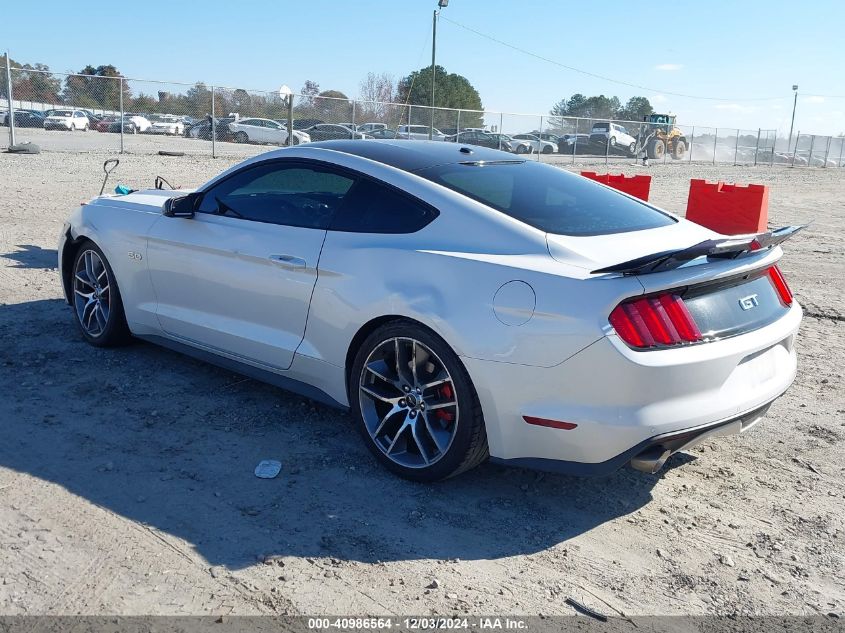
point(460, 301)
point(166, 125)
point(256, 130)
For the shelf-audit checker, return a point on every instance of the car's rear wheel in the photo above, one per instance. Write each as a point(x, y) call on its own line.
point(97, 304)
point(416, 406)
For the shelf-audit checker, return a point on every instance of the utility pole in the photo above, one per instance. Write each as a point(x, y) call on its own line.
point(792, 124)
point(441, 4)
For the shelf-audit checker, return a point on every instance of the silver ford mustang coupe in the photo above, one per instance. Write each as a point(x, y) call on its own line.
point(463, 303)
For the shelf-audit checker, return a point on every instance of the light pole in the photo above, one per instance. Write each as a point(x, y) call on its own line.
point(794, 104)
point(441, 4)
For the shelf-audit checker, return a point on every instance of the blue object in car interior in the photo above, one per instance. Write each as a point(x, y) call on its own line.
point(122, 190)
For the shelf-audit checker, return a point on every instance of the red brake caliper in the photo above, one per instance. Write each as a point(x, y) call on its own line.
point(445, 392)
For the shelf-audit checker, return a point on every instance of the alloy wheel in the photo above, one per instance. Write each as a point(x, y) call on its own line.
point(92, 293)
point(408, 402)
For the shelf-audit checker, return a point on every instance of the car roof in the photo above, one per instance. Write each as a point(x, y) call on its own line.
point(414, 155)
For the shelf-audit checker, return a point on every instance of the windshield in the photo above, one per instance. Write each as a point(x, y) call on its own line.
point(62, 113)
point(548, 198)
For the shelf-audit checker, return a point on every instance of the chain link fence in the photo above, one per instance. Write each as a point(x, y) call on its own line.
point(79, 113)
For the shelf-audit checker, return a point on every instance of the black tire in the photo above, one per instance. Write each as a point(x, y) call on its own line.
point(679, 150)
point(656, 149)
point(612, 142)
point(116, 331)
point(547, 149)
point(522, 149)
point(468, 448)
point(241, 137)
point(632, 149)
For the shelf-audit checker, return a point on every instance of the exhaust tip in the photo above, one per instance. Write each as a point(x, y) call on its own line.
point(651, 460)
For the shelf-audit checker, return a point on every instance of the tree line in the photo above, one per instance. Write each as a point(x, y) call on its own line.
point(99, 88)
point(602, 107)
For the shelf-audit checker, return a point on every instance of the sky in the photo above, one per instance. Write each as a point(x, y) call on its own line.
point(743, 55)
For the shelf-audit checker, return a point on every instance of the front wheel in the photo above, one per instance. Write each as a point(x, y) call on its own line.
point(96, 300)
point(522, 149)
point(241, 137)
point(415, 404)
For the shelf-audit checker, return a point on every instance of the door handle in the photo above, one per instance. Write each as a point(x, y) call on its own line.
point(288, 261)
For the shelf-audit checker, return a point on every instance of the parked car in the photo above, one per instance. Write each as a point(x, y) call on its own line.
point(475, 138)
point(331, 131)
point(166, 125)
point(202, 130)
point(304, 124)
point(105, 123)
point(384, 133)
point(254, 130)
point(420, 133)
point(616, 136)
point(536, 143)
point(588, 331)
point(25, 118)
point(509, 144)
point(570, 143)
point(369, 128)
point(67, 120)
point(126, 123)
point(142, 123)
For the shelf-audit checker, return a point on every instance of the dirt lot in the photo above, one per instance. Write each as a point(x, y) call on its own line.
point(127, 486)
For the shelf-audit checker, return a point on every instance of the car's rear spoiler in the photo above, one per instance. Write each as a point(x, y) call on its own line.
point(728, 248)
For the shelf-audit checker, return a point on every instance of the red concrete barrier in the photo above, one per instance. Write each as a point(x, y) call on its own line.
point(637, 186)
point(728, 209)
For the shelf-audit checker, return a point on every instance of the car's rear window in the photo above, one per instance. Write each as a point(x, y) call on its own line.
point(548, 198)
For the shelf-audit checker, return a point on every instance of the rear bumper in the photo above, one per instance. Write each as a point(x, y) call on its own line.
point(625, 402)
point(649, 455)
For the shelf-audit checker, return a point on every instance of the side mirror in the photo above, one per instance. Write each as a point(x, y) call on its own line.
point(180, 206)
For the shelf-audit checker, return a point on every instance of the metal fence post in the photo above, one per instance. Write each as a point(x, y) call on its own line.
point(575, 142)
point(691, 139)
point(810, 156)
point(540, 136)
point(798, 136)
point(353, 115)
point(715, 140)
point(607, 145)
point(502, 124)
point(213, 127)
point(841, 147)
point(289, 104)
point(774, 146)
point(827, 151)
point(458, 125)
point(120, 97)
point(11, 101)
point(757, 147)
point(736, 147)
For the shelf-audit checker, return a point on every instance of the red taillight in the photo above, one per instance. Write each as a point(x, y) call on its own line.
point(653, 321)
point(780, 285)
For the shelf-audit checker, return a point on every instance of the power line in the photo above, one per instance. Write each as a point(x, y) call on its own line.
point(603, 77)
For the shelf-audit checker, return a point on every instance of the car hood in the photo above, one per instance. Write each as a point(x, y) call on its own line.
point(599, 251)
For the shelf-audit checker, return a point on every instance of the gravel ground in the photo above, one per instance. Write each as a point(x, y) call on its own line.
point(126, 483)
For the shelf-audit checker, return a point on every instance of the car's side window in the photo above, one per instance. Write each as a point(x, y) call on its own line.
point(293, 194)
point(372, 207)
